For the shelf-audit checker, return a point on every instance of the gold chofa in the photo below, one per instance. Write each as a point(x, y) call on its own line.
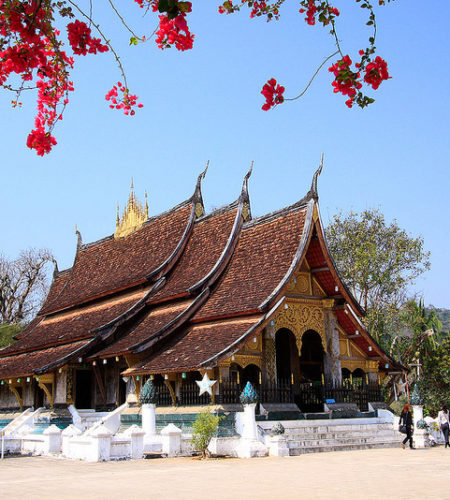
point(134, 215)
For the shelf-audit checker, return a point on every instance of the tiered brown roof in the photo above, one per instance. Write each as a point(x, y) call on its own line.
point(27, 363)
point(67, 327)
point(185, 290)
point(196, 346)
point(114, 264)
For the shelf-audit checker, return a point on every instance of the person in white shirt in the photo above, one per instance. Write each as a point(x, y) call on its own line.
point(444, 423)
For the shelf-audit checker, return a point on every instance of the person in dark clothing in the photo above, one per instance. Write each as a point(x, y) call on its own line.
point(444, 423)
point(407, 421)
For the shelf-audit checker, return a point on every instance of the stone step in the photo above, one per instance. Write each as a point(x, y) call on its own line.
point(322, 432)
point(342, 438)
point(336, 442)
point(299, 432)
point(341, 435)
point(336, 428)
point(342, 447)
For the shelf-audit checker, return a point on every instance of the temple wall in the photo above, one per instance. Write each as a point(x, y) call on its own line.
point(7, 398)
point(112, 374)
point(61, 387)
point(28, 395)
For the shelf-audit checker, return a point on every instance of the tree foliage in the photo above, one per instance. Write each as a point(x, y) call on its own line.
point(23, 285)
point(377, 261)
point(7, 333)
point(435, 382)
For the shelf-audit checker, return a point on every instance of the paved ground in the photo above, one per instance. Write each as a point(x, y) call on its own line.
point(369, 474)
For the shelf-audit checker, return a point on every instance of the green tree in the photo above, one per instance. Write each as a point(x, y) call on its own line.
point(203, 430)
point(7, 333)
point(435, 380)
point(378, 262)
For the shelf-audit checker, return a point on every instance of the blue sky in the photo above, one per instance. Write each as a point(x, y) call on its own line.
point(205, 104)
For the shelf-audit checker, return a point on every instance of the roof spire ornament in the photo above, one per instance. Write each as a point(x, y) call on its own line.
point(313, 193)
point(79, 238)
point(56, 270)
point(246, 214)
point(134, 215)
point(146, 205)
point(198, 199)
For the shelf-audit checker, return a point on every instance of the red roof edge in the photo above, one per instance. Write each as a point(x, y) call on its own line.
point(333, 269)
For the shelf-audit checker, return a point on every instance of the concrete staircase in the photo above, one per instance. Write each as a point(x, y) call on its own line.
point(26, 418)
point(338, 435)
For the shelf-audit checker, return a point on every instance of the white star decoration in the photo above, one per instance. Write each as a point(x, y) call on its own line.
point(205, 384)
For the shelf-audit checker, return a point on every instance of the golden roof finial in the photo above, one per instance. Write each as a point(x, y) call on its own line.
point(134, 215)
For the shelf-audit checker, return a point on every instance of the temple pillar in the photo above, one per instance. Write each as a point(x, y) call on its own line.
point(269, 360)
point(331, 361)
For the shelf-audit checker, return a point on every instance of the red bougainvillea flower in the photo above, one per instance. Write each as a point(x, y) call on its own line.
point(174, 32)
point(273, 94)
point(346, 81)
point(376, 71)
point(126, 102)
point(81, 41)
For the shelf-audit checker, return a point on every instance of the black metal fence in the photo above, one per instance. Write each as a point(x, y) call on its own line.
point(164, 397)
point(189, 395)
point(309, 397)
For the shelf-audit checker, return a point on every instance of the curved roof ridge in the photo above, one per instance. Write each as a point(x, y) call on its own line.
point(276, 213)
point(104, 331)
point(219, 210)
point(178, 321)
point(302, 246)
point(174, 257)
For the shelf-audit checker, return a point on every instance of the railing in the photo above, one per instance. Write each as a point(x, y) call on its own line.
point(276, 392)
point(164, 397)
point(189, 395)
point(309, 397)
point(312, 396)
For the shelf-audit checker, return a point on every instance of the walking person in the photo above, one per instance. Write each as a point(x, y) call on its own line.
point(407, 421)
point(444, 423)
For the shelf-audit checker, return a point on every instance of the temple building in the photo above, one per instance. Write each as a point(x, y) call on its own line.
point(184, 293)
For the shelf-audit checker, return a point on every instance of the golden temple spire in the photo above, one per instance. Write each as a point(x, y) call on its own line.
point(134, 215)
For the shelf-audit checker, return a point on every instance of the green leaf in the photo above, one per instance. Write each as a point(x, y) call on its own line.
point(184, 6)
point(133, 40)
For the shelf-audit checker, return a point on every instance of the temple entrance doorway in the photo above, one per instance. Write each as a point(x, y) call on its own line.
point(251, 373)
point(122, 391)
point(310, 396)
point(83, 389)
point(286, 356)
point(39, 395)
point(311, 359)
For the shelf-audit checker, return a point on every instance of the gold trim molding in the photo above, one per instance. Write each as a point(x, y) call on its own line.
point(299, 316)
point(243, 360)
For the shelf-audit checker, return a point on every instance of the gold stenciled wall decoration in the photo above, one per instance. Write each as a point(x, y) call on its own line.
point(300, 284)
point(300, 316)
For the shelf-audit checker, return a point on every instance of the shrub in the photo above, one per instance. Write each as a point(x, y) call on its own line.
point(203, 430)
